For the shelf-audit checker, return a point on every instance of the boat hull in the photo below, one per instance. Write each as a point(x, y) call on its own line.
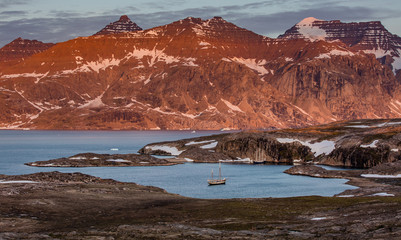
point(216, 181)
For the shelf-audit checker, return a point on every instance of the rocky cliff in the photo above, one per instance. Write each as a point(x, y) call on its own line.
point(194, 74)
point(124, 24)
point(357, 144)
point(19, 49)
point(369, 37)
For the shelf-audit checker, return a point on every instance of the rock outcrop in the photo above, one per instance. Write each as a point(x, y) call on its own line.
point(362, 144)
point(369, 37)
point(124, 24)
point(19, 49)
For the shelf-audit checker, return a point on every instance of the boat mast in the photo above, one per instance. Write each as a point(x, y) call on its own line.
point(219, 170)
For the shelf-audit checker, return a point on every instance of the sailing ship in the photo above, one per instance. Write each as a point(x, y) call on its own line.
point(259, 157)
point(219, 180)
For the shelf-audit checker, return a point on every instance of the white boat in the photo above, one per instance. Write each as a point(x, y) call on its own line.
point(219, 180)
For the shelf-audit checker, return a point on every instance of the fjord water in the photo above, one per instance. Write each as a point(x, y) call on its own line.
point(190, 179)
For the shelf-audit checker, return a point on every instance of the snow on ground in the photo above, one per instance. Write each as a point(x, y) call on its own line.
point(383, 194)
point(317, 148)
point(346, 196)
point(318, 218)
point(201, 142)
point(188, 160)
point(172, 150)
point(387, 124)
point(253, 64)
point(372, 145)
point(358, 126)
point(232, 106)
point(16, 181)
point(313, 33)
point(210, 145)
point(335, 52)
point(380, 176)
point(117, 160)
point(77, 158)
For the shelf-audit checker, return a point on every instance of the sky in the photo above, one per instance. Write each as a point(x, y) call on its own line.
point(60, 20)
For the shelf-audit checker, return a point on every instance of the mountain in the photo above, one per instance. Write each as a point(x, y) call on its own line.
point(20, 48)
point(124, 24)
point(195, 74)
point(369, 37)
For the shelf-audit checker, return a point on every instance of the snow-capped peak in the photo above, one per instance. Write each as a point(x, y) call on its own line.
point(308, 21)
point(309, 31)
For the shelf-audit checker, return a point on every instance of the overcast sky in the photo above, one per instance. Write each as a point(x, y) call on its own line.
point(60, 20)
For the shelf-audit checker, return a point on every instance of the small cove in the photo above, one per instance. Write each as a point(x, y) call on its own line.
point(189, 179)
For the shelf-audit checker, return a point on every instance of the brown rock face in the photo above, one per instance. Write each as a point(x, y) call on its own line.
point(124, 24)
point(194, 74)
point(22, 48)
point(370, 37)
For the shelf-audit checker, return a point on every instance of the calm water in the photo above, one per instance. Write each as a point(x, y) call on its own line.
point(19, 147)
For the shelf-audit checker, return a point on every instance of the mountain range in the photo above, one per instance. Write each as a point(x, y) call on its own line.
point(202, 74)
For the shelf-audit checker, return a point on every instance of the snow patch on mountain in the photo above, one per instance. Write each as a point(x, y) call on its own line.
point(309, 31)
point(153, 56)
point(253, 64)
point(232, 106)
point(25, 75)
point(323, 147)
point(335, 52)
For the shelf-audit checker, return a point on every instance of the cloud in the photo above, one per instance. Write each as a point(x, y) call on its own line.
point(65, 25)
point(8, 3)
point(12, 13)
point(277, 23)
point(51, 29)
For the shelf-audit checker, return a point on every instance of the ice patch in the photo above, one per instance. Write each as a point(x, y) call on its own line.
point(253, 64)
point(372, 145)
point(232, 106)
point(16, 181)
point(317, 148)
point(77, 158)
point(313, 33)
point(210, 145)
point(117, 160)
point(172, 150)
point(346, 196)
point(383, 194)
point(358, 126)
point(335, 52)
point(387, 124)
point(380, 176)
point(114, 149)
point(201, 142)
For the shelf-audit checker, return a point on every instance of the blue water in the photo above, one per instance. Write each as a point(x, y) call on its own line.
point(190, 179)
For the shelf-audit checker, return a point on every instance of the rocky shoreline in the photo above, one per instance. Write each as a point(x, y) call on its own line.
point(103, 160)
point(382, 180)
point(58, 205)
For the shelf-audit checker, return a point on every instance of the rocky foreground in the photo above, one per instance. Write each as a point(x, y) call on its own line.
point(76, 206)
point(355, 144)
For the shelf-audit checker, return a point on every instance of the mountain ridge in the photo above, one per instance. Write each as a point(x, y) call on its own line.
point(194, 74)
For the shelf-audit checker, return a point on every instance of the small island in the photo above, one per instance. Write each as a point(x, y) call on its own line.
point(103, 160)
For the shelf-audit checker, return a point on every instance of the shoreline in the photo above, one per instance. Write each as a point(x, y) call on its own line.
point(76, 205)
